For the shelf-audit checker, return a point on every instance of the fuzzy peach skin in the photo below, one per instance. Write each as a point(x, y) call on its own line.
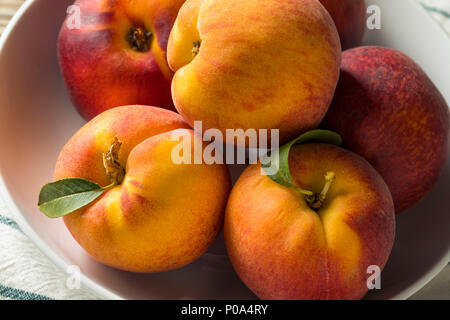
point(388, 110)
point(99, 66)
point(350, 19)
point(163, 216)
point(282, 249)
point(260, 65)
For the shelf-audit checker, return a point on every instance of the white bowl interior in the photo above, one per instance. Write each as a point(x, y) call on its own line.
point(37, 118)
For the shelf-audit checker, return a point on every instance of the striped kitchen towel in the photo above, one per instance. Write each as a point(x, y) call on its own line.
point(440, 10)
point(25, 273)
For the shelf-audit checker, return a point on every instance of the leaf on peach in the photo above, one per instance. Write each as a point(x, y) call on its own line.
point(62, 197)
point(283, 174)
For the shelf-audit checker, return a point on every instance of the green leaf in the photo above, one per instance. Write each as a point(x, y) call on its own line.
point(62, 197)
point(283, 175)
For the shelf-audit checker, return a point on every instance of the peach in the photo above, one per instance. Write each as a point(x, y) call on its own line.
point(254, 64)
point(388, 110)
point(283, 249)
point(117, 56)
point(350, 19)
point(163, 215)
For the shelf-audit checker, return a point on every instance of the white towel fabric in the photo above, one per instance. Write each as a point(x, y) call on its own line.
point(25, 273)
point(440, 10)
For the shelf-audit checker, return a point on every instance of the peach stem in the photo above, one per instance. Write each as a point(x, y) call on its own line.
point(329, 178)
point(316, 201)
point(196, 48)
point(114, 170)
point(139, 39)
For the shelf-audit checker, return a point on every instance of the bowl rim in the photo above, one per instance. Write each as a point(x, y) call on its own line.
point(86, 282)
point(96, 288)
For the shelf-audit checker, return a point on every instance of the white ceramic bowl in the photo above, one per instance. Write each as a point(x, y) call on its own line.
point(37, 118)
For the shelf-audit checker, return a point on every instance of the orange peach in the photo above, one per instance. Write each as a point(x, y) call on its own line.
point(254, 64)
point(283, 249)
point(117, 55)
point(163, 215)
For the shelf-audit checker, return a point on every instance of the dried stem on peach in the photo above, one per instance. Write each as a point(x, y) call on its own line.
point(316, 200)
point(114, 170)
point(140, 39)
point(196, 48)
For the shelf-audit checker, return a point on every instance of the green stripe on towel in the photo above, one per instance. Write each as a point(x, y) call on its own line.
point(17, 294)
point(436, 10)
point(9, 222)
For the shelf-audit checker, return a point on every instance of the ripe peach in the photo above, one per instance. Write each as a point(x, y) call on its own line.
point(389, 111)
point(163, 215)
point(117, 56)
point(254, 64)
point(350, 19)
point(283, 249)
